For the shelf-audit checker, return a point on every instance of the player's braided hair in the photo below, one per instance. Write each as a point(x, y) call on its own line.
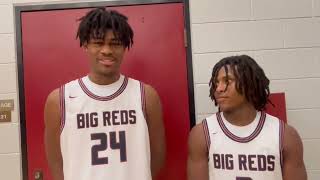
point(251, 80)
point(96, 23)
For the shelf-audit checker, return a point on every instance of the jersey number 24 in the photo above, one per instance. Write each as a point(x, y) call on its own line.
point(113, 144)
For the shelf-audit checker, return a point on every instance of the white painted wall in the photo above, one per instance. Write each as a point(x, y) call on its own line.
point(282, 35)
point(10, 156)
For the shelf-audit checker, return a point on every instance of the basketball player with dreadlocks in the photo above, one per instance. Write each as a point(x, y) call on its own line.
point(241, 141)
point(104, 125)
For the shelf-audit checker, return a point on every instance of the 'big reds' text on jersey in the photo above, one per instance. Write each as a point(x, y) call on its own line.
point(252, 152)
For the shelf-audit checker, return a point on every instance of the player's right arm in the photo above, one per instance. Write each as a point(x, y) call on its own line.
point(197, 155)
point(52, 135)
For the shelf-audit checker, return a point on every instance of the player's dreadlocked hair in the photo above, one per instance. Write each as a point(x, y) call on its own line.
point(250, 79)
point(96, 23)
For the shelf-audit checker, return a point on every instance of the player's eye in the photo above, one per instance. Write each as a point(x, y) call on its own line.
point(98, 43)
point(216, 82)
point(115, 43)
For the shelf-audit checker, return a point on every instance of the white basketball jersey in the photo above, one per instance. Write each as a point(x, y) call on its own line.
point(104, 137)
point(252, 152)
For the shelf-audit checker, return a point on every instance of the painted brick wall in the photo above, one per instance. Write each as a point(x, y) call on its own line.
point(10, 160)
point(282, 35)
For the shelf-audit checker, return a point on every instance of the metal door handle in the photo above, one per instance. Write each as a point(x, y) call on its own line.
point(38, 175)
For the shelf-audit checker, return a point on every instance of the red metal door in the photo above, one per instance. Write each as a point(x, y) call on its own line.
point(278, 109)
point(51, 57)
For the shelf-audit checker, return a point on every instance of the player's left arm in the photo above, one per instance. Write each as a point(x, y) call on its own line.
point(293, 165)
point(156, 129)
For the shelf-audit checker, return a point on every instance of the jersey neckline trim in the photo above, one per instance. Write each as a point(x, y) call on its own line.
point(103, 98)
point(247, 139)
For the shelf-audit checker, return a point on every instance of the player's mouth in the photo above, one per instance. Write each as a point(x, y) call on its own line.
point(221, 99)
point(106, 62)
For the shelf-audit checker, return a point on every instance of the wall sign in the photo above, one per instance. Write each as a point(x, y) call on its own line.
point(6, 106)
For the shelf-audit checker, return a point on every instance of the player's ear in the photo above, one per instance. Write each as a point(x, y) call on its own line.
point(85, 46)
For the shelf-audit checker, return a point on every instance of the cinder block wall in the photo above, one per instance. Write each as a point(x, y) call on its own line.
point(282, 35)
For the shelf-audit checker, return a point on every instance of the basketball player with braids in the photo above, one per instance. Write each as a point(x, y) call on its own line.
point(241, 141)
point(104, 125)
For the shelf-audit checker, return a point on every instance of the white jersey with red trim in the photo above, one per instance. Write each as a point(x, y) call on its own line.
point(252, 152)
point(104, 134)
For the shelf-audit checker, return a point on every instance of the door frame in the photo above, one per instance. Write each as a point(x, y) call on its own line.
point(30, 7)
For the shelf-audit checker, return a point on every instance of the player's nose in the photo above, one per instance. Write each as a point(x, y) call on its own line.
point(105, 49)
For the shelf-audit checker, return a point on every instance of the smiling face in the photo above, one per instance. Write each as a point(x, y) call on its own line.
point(226, 95)
point(105, 55)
